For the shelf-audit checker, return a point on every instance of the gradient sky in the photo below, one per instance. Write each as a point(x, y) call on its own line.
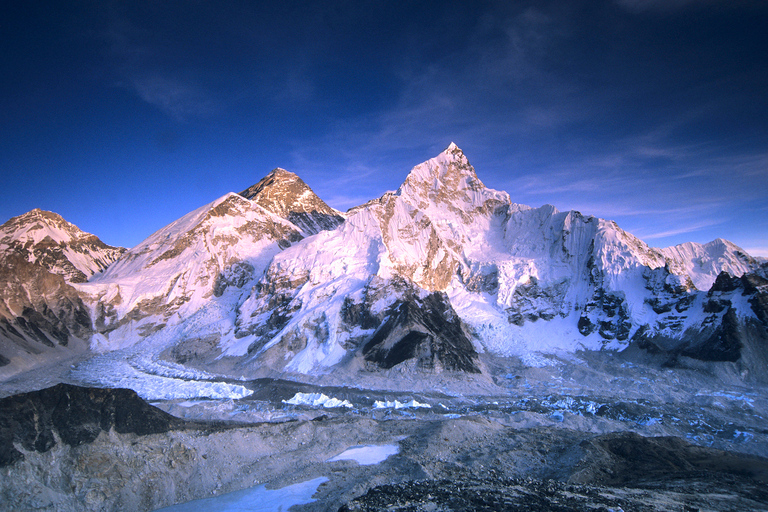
point(124, 116)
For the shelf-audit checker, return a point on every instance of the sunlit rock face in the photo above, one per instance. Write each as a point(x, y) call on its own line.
point(286, 195)
point(58, 246)
point(519, 278)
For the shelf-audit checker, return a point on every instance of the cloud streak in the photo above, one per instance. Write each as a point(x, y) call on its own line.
point(173, 97)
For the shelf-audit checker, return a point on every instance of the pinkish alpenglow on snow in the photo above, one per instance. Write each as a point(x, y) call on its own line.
point(427, 277)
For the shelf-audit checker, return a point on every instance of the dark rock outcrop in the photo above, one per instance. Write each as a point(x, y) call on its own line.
point(427, 330)
point(75, 415)
point(726, 332)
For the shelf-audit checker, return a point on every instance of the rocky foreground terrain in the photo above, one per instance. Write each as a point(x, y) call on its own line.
point(75, 448)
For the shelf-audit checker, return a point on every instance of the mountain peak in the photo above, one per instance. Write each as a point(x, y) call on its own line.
point(37, 224)
point(286, 195)
point(448, 177)
point(59, 246)
point(282, 192)
point(445, 170)
point(453, 148)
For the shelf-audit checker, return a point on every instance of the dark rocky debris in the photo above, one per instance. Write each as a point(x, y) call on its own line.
point(618, 471)
point(75, 415)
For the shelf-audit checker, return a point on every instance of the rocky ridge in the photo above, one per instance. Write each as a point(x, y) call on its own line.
point(286, 195)
point(61, 248)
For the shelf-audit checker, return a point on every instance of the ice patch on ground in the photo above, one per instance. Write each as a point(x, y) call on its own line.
point(254, 499)
point(386, 404)
point(317, 400)
point(537, 360)
point(367, 455)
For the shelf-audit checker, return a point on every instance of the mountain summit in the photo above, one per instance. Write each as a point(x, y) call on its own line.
point(59, 246)
point(286, 195)
point(448, 180)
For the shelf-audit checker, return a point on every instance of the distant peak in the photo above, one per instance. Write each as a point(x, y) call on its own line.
point(278, 181)
point(279, 172)
point(284, 193)
point(36, 215)
point(448, 170)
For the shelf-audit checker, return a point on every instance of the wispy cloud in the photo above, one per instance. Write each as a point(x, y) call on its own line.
point(761, 251)
point(175, 98)
point(138, 62)
point(680, 230)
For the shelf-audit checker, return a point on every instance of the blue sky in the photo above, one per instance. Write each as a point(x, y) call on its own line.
point(124, 116)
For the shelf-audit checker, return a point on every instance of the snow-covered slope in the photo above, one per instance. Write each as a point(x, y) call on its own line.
point(41, 315)
point(184, 266)
point(425, 277)
point(60, 247)
point(521, 279)
point(192, 271)
point(703, 262)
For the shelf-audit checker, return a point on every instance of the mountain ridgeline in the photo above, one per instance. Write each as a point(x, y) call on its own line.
point(426, 279)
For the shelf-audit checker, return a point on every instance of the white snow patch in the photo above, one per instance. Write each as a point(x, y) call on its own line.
point(367, 455)
point(386, 404)
point(254, 499)
point(317, 400)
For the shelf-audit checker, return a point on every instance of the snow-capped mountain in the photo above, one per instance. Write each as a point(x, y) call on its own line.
point(520, 279)
point(426, 277)
point(193, 262)
point(60, 247)
point(41, 257)
point(703, 262)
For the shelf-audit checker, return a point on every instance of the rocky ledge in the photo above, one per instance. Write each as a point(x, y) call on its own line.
point(74, 415)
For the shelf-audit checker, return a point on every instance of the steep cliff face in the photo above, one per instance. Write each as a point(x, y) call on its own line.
point(520, 279)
